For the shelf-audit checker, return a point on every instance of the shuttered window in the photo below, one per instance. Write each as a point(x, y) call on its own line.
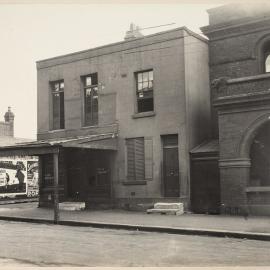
point(135, 159)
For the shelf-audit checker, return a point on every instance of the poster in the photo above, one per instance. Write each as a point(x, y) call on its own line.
point(19, 176)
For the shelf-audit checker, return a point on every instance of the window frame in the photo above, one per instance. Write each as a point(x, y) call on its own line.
point(85, 86)
point(61, 92)
point(266, 55)
point(147, 90)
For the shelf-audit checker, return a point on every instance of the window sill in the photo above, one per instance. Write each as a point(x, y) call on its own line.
point(258, 189)
point(143, 114)
point(134, 182)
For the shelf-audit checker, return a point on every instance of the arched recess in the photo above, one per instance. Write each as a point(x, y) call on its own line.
point(255, 145)
point(250, 133)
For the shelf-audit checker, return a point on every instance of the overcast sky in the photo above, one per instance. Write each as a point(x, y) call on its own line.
point(35, 32)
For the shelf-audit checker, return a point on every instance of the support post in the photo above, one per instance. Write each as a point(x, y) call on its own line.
point(56, 193)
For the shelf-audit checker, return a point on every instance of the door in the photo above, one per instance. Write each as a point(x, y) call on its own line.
point(205, 186)
point(171, 166)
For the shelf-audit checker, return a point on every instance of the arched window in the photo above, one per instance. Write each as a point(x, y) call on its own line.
point(266, 56)
point(267, 63)
point(260, 158)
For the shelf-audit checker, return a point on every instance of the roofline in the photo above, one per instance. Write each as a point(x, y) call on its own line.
point(190, 32)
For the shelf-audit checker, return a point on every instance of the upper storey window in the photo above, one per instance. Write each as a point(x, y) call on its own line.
point(266, 56)
point(90, 99)
point(58, 112)
point(144, 91)
point(267, 63)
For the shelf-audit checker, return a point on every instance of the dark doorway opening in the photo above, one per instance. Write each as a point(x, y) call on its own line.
point(205, 186)
point(260, 158)
point(88, 174)
point(170, 166)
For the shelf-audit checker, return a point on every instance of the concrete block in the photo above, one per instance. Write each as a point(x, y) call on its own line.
point(72, 206)
point(177, 206)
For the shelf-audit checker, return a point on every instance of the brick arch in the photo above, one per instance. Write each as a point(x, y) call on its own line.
point(258, 52)
point(250, 133)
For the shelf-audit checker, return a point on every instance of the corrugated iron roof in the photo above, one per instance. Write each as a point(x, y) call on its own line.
point(98, 141)
point(206, 147)
point(7, 140)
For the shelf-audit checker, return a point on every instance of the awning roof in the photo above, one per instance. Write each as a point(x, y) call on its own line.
point(106, 141)
point(206, 147)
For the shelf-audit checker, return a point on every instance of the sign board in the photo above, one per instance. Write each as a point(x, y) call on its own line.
point(19, 176)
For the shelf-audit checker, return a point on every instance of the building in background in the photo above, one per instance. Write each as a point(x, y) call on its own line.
point(18, 174)
point(239, 46)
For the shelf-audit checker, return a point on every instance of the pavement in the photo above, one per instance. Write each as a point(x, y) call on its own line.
point(257, 228)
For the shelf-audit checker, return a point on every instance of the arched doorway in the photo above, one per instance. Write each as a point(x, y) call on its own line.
point(260, 157)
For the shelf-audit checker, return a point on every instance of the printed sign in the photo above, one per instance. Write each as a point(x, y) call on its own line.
point(18, 175)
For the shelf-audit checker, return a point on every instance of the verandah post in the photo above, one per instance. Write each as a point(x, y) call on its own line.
point(56, 193)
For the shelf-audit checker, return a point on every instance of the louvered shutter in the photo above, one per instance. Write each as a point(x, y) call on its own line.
point(130, 159)
point(135, 159)
point(139, 158)
point(148, 150)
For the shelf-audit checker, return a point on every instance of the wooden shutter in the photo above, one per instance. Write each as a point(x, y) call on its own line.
point(130, 159)
point(139, 158)
point(148, 150)
point(135, 159)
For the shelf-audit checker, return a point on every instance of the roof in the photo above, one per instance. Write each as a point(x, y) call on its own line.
point(120, 46)
point(7, 140)
point(105, 141)
point(206, 147)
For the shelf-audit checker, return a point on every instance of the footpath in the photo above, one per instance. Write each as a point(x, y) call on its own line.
point(257, 228)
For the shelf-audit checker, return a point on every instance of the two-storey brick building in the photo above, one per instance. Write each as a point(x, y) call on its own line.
point(121, 119)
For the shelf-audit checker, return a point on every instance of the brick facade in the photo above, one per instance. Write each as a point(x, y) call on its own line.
point(240, 99)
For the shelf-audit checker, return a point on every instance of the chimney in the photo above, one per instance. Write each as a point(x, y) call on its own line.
point(133, 32)
point(9, 119)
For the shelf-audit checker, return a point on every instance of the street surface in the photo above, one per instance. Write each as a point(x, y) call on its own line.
point(26, 244)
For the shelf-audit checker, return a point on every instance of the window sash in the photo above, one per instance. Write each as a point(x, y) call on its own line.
point(144, 91)
point(90, 100)
point(58, 112)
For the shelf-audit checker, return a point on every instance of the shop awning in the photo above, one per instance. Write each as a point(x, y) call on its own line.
point(106, 141)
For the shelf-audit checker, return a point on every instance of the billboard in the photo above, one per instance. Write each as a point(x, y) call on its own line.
point(19, 176)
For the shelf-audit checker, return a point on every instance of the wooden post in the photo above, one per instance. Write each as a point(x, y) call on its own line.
point(56, 194)
point(40, 176)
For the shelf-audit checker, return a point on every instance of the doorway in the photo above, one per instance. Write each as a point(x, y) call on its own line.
point(170, 166)
point(205, 186)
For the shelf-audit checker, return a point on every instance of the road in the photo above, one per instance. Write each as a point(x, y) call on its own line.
point(26, 244)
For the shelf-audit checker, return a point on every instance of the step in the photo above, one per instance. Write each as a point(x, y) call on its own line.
point(72, 206)
point(176, 212)
point(177, 206)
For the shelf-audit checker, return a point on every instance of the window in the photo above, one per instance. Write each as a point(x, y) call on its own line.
point(135, 159)
point(90, 99)
point(267, 63)
point(265, 55)
point(144, 91)
point(58, 114)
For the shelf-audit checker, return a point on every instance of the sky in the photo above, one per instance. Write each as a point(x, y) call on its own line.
point(32, 32)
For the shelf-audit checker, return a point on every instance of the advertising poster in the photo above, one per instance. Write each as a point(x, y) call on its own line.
point(18, 176)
